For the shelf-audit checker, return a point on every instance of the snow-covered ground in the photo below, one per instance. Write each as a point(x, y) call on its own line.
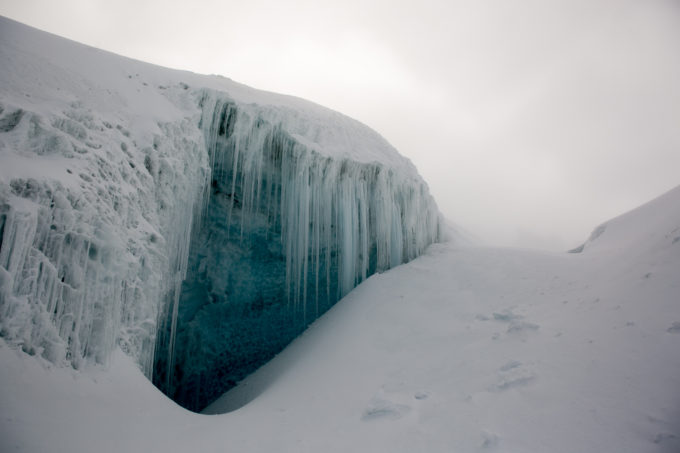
point(465, 349)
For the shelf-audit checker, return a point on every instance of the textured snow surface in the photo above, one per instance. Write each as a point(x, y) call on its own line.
point(109, 167)
point(464, 349)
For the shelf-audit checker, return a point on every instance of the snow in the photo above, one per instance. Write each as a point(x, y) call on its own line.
point(105, 180)
point(466, 349)
point(649, 226)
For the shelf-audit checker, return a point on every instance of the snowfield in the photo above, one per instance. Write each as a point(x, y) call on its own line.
point(465, 349)
point(103, 171)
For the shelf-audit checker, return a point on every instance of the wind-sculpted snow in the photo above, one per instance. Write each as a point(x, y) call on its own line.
point(197, 223)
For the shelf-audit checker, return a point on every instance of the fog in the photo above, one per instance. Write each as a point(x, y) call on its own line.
point(532, 121)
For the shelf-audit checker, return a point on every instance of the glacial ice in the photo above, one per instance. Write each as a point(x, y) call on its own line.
point(286, 232)
point(87, 259)
point(199, 229)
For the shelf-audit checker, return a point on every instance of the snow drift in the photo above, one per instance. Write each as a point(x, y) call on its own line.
point(198, 224)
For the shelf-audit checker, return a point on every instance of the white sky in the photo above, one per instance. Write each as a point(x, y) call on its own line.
point(531, 120)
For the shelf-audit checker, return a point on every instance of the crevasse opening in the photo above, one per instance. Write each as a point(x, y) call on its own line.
point(284, 233)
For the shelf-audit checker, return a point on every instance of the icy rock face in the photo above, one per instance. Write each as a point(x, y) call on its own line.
point(286, 232)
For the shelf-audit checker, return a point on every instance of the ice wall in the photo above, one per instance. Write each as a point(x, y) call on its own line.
point(94, 230)
point(97, 223)
point(286, 232)
point(197, 223)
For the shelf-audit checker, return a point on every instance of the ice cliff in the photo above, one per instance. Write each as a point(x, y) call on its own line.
point(196, 223)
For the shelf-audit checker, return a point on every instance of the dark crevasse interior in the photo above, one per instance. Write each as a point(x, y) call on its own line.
point(284, 234)
point(234, 312)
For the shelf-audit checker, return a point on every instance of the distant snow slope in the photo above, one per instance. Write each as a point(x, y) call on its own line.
point(465, 349)
point(106, 168)
point(651, 227)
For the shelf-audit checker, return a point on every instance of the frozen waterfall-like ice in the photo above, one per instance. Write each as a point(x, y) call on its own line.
point(286, 232)
point(196, 223)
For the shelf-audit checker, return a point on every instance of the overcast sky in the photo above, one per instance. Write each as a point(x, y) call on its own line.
point(531, 120)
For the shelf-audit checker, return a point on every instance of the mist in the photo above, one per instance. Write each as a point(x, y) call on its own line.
point(531, 121)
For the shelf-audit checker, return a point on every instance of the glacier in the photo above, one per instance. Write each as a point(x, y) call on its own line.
point(196, 223)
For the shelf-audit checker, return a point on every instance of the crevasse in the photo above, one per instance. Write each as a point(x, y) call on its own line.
point(286, 232)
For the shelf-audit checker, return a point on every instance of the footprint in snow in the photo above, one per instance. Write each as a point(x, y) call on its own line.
point(505, 316)
point(674, 328)
point(381, 409)
point(421, 395)
point(508, 382)
point(490, 441)
point(522, 326)
point(512, 375)
point(510, 365)
point(667, 440)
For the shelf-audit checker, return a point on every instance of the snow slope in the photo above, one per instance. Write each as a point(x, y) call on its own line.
point(112, 170)
point(465, 349)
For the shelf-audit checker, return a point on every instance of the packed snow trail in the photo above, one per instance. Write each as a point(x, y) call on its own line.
point(465, 349)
